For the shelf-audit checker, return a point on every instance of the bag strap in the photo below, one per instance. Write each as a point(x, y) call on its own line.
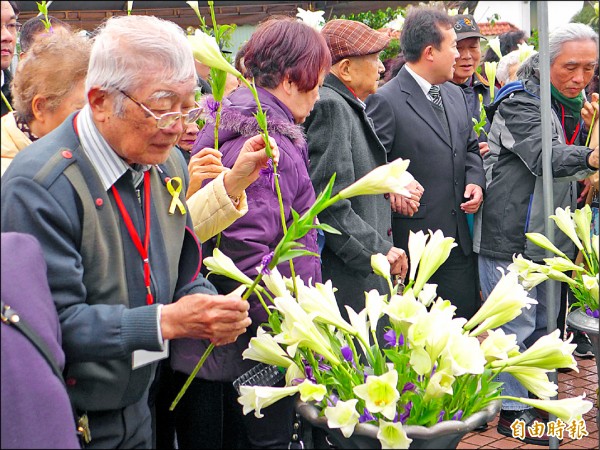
point(10, 317)
point(296, 438)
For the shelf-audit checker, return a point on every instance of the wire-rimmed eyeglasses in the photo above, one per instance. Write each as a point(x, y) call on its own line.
point(167, 120)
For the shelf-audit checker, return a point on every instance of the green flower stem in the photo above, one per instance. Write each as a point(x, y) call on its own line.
point(587, 142)
point(5, 100)
point(207, 352)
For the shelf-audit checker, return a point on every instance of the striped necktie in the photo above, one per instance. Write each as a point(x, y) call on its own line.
point(436, 97)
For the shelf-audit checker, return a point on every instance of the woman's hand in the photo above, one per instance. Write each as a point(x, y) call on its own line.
point(203, 165)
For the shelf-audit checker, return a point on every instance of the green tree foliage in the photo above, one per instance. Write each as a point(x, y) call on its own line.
point(587, 15)
point(376, 20)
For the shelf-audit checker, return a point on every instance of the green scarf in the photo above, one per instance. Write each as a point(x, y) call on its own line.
point(572, 104)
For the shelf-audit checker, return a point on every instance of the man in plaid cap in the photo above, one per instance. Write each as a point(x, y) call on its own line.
point(342, 140)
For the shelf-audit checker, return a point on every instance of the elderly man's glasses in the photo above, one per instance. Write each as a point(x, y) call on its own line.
point(167, 120)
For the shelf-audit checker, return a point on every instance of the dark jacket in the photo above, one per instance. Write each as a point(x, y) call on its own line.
point(409, 129)
point(7, 92)
point(341, 140)
point(514, 202)
point(52, 191)
point(252, 237)
point(36, 410)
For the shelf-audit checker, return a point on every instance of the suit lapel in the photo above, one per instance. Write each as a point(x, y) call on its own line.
point(420, 104)
point(451, 108)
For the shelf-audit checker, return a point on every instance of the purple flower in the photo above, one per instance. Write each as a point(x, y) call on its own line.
point(595, 314)
point(265, 264)
point(212, 106)
point(392, 339)
point(309, 373)
point(458, 415)
point(269, 173)
point(332, 400)
point(346, 353)
point(366, 416)
point(433, 369)
point(408, 387)
point(405, 415)
point(441, 416)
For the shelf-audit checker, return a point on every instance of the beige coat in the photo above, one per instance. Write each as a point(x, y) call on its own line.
point(13, 139)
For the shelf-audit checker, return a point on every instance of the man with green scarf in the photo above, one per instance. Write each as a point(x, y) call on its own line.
point(514, 202)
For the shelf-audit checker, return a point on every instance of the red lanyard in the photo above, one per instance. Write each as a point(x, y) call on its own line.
point(142, 249)
point(575, 133)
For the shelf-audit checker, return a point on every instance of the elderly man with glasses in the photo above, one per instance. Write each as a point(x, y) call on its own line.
point(104, 193)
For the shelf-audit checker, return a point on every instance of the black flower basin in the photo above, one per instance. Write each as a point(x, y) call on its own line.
point(442, 435)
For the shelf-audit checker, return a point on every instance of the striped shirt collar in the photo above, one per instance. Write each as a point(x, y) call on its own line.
point(422, 82)
point(108, 164)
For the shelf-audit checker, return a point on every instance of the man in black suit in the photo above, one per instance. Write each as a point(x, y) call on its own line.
point(421, 116)
point(8, 33)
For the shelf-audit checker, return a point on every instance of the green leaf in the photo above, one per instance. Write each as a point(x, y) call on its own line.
point(295, 254)
point(327, 228)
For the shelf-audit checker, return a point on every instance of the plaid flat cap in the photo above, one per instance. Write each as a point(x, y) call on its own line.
point(351, 38)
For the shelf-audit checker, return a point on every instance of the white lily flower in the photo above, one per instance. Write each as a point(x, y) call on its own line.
point(313, 19)
point(374, 304)
point(420, 360)
point(440, 384)
point(404, 310)
point(380, 265)
point(591, 284)
point(293, 373)
point(562, 264)
point(221, 264)
point(388, 178)
point(494, 44)
point(255, 398)
point(435, 253)
point(392, 435)
point(298, 327)
point(207, 51)
point(380, 393)
point(503, 304)
point(453, 11)
point(490, 73)
point(275, 283)
point(265, 349)
point(395, 24)
point(562, 218)
point(525, 51)
point(534, 379)
point(498, 345)
point(583, 221)
point(464, 354)
point(416, 246)
point(310, 391)
point(320, 301)
point(428, 294)
point(360, 324)
point(343, 416)
point(129, 7)
point(542, 241)
point(194, 6)
point(549, 352)
point(565, 409)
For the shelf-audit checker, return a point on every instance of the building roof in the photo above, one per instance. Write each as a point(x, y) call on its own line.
point(497, 28)
point(89, 14)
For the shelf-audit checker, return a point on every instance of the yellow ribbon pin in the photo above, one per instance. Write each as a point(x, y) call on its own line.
point(174, 187)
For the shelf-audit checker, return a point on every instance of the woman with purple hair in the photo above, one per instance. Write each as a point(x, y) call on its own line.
point(288, 61)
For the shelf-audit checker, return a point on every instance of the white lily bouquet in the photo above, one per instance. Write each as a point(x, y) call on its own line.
point(432, 367)
point(583, 282)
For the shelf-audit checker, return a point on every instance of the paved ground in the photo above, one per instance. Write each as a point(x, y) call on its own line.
point(570, 384)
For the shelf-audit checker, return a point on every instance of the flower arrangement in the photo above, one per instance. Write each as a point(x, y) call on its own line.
point(584, 281)
point(432, 367)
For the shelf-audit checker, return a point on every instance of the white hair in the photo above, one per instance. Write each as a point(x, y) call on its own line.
point(567, 33)
point(131, 51)
point(506, 63)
